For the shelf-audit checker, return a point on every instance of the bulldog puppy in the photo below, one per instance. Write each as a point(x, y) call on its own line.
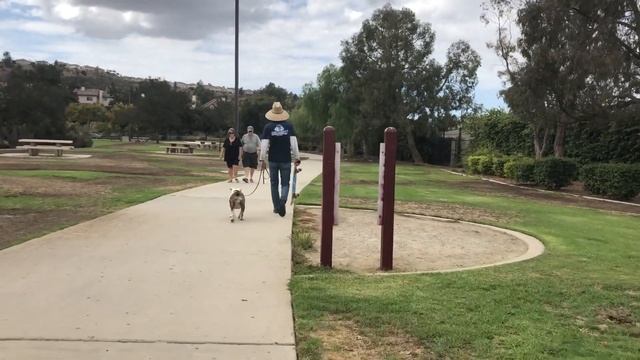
point(236, 201)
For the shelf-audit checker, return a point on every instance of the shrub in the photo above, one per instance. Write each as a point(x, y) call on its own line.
point(616, 181)
point(472, 164)
point(554, 173)
point(498, 165)
point(485, 165)
point(520, 170)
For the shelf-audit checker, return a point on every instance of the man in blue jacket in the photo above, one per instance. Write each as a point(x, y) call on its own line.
point(280, 142)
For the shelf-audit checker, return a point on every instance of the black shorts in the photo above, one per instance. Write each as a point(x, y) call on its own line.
point(231, 163)
point(250, 160)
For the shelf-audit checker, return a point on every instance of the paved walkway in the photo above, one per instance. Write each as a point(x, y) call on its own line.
point(168, 279)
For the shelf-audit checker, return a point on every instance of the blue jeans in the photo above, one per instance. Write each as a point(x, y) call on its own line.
point(284, 171)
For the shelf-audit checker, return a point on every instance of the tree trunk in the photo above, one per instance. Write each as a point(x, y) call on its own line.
point(351, 149)
point(540, 146)
point(558, 142)
point(411, 141)
point(365, 154)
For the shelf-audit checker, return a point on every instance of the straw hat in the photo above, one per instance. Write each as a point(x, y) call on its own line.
point(277, 113)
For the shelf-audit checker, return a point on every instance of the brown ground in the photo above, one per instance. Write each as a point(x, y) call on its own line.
point(18, 225)
point(88, 198)
point(563, 196)
point(343, 340)
point(421, 244)
point(120, 163)
point(16, 186)
point(443, 210)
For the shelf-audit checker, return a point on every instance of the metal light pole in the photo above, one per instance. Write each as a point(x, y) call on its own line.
point(237, 112)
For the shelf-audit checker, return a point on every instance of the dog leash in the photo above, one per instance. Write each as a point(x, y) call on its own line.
point(261, 177)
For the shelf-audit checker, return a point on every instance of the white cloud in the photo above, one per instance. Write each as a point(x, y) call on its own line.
point(66, 11)
point(352, 15)
point(37, 27)
point(285, 41)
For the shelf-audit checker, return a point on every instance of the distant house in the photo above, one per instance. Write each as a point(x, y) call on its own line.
point(453, 134)
point(92, 96)
point(213, 103)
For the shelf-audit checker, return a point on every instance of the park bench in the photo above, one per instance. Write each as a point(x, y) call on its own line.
point(179, 148)
point(204, 144)
point(34, 146)
point(139, 140)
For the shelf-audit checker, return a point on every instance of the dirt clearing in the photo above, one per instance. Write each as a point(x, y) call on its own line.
point(421, 244)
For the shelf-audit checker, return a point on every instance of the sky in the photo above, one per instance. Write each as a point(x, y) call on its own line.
point(287, 42)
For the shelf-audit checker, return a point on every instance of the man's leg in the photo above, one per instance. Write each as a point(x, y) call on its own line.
point(246, 171)
point(275, 196)
point(285, 176)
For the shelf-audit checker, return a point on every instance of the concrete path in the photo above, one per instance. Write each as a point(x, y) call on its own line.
point(168, 279)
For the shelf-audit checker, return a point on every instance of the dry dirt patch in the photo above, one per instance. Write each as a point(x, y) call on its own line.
point(421, 244)
point(343, 340)
point(18, 185)
point(16, 225)
point(443, 210)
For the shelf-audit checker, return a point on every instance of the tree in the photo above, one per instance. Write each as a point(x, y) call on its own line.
point(394, 80)
point(86, 114)
point(160, 107)
point(7, 61)
point(125, 119)
point(33, 104)
point(577, 61)
point(327, 103)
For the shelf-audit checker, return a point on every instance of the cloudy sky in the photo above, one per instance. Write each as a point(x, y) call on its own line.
point(284, 41)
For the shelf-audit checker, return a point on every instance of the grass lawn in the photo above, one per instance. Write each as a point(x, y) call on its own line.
point(41, 195)
point(581, 299)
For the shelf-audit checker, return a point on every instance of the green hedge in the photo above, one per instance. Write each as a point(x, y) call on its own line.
point(616, 181)
point(485, 165)
point(554, 173)
point(498, 165)
point(480, 164)
point(520, 170)
point(472, 164)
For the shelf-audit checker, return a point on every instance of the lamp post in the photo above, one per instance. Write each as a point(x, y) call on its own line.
point(236, 111)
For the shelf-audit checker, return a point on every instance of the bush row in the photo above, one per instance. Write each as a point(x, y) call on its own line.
point(552, 173)
point(616, 181)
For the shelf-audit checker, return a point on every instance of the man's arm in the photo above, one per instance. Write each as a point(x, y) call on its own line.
point(264, 147)
point(264, 143)
point(294, 146)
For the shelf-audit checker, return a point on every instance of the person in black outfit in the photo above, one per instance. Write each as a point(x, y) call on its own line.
point(232, 152)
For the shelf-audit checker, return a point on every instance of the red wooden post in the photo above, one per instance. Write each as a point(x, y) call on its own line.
point(388, 198)
point(328, 192)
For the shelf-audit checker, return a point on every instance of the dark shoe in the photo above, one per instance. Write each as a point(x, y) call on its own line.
point(245, 180)
point(282, 211)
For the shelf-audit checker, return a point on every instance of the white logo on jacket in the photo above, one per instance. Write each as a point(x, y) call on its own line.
point(279, 130)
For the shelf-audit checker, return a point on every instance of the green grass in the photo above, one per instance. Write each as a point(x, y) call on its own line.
point(103, 146)
point(554, 306)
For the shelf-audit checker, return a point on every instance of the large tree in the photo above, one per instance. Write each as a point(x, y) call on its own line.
point(573, 62)
point(161, 107)
point(389, 68)
point(33, 103)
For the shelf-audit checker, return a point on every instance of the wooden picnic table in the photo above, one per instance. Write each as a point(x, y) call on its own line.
point(179, 147)
point(34, 146)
